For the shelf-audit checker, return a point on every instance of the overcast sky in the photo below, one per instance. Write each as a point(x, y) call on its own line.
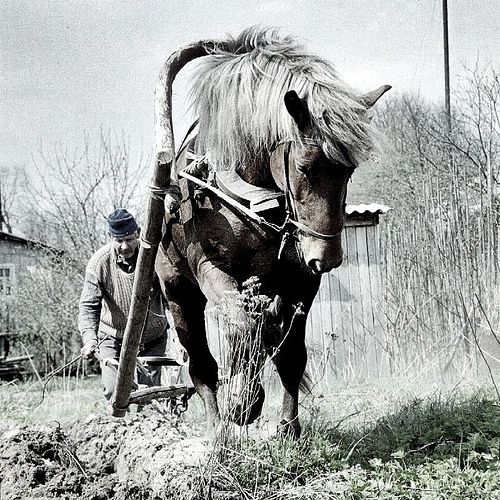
point(69, 66)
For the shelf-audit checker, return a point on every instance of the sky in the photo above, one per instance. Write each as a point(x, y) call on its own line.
point(69, 67)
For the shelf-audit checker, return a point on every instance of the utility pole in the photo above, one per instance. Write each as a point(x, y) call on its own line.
point(446, 66)
point(1, 208)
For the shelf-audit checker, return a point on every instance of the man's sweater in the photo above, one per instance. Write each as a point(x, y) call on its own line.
point(106, 298)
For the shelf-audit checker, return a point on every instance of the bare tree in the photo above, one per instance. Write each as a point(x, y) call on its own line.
point(73, 190)
point(11, 180)
point(442, 245)
point(476, 138)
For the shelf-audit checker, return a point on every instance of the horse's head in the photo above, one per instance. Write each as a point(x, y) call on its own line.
point(315, 185)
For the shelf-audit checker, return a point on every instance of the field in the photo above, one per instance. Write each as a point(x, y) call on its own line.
point(406, 438)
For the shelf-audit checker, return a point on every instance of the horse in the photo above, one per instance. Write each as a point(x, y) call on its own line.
point(281, 119)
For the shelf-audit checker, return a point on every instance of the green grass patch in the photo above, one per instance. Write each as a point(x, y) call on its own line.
point(440, 427)
point(434, 448)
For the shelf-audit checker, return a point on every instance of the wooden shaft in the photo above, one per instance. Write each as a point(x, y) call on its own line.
point(165, 150)
point(151, 235)
point(135, 322)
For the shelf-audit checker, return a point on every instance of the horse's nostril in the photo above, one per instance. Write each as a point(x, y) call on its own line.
point(316, 265)
point(338, 263)
point(319, 267)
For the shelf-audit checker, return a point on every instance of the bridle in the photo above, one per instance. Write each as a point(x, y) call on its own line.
point(291, 213)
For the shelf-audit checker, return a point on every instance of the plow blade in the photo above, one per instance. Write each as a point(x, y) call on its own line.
point(144, 396)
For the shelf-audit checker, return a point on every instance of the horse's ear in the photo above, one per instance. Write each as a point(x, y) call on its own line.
point(298, 109)
point(372, 97)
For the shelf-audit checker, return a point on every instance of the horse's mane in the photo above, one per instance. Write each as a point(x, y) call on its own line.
point(239, 97)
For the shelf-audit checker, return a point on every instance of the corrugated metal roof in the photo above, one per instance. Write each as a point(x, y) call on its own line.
point(372, 208)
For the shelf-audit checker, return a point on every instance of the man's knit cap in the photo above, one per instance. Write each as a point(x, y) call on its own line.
point(121, 223)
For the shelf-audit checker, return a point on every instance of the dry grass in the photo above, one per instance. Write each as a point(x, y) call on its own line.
point(442, 284)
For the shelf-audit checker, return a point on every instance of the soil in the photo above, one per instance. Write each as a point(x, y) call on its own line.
point(144, 456)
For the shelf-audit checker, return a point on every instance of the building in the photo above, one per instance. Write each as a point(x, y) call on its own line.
point(17, 255)
point(345, 326)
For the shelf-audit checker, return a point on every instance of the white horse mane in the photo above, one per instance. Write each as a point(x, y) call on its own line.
point(239, 98)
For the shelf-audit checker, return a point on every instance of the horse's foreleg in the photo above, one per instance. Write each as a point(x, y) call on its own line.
point(290, 359)
point(245, 393)
point(187, 306)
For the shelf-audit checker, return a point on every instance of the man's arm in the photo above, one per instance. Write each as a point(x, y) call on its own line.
point(89, 314)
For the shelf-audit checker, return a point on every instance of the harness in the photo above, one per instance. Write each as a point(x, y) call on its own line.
point(291, 225)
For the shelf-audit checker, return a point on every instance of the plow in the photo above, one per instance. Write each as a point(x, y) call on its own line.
point(177, 394)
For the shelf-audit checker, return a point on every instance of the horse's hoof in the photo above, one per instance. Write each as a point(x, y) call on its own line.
point(289, 429)
point(247, 412)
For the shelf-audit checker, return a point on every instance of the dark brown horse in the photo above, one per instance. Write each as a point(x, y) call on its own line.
point(282, 120)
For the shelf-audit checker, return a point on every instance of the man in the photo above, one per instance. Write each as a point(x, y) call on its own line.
point(106, 299)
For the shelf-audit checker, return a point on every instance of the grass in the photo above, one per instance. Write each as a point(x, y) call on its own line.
point(406, 438)
point(65, 400)
point(441, 428)
point(446, 446)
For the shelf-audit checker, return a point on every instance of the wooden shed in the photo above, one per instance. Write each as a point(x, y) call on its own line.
point(345, 326)
point(17, 255)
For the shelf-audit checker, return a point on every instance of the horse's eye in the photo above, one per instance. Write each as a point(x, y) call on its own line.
point(308, 171)
point(304, 169)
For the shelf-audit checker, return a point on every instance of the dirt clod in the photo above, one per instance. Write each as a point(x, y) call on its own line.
point(144, 456)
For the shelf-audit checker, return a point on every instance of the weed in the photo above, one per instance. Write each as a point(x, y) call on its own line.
point(437, 428)
point(429, 448)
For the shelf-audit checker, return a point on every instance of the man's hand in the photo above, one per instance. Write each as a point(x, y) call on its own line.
point(88, 349)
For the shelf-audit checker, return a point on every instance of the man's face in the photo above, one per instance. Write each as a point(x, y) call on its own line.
point(126, 246)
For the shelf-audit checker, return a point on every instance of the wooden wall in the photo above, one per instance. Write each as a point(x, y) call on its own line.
point(345, 326)
point(18, 255)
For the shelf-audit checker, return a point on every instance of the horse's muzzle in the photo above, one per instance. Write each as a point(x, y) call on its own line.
point(318, 266)
point(322, 256)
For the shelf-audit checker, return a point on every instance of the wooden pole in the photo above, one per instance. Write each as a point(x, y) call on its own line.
point(164, 172)
point(446, 67)
point(1, 208)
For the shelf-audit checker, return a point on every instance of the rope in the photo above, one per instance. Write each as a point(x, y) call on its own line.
point(158, 193)
point(147, 244)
